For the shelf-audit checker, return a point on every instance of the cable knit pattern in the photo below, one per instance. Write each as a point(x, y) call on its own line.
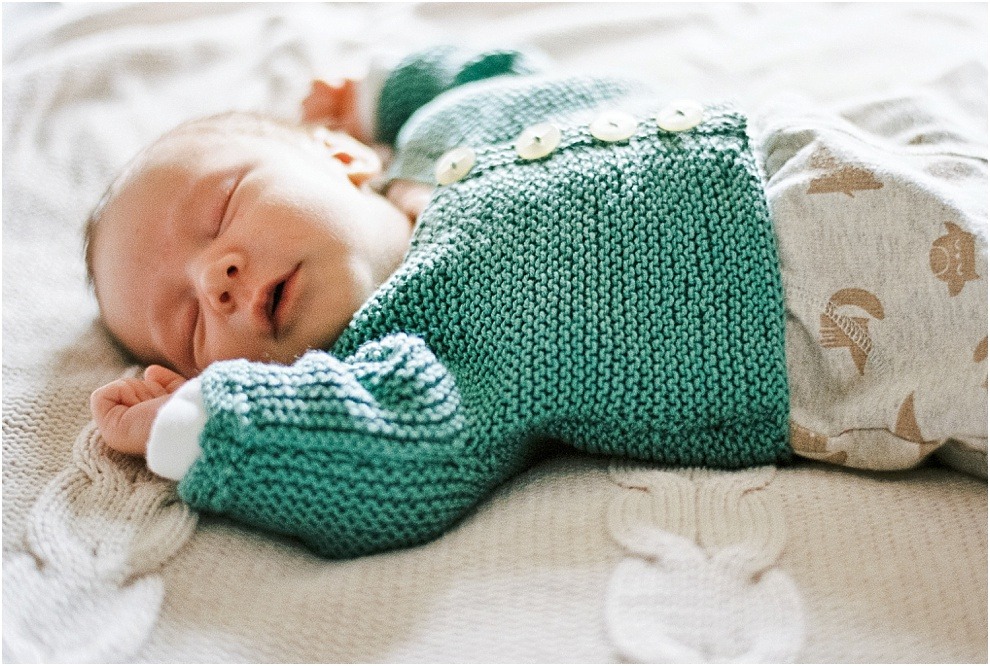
point(701, 581)
point(622, 297)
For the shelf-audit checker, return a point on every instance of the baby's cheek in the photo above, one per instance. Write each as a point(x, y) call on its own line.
point(224, 344)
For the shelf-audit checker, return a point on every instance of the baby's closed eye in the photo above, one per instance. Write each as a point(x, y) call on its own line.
point(223, 212)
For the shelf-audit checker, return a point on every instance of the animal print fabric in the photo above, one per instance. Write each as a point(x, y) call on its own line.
point(880, 213)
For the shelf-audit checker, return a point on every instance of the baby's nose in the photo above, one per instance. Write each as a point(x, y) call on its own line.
point(221, 281)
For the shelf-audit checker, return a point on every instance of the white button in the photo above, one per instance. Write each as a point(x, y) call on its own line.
point(454, 165)
point(613, 126)
point(680, 115)
point(537, 141)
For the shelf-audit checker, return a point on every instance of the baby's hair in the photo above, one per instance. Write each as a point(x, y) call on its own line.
point(90, 230)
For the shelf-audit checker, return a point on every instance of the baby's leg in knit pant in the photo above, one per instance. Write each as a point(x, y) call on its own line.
point(880, 211)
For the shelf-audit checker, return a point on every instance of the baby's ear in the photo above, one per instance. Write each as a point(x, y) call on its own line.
point(330, 103)
point(361, 163)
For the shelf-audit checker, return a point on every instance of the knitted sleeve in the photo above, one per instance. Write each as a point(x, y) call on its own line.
point(352, 456)
point(424, 75)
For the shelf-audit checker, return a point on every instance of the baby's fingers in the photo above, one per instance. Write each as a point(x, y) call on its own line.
point(115, 433)
point(127, 392)
point(124, 411)
point(167, 379)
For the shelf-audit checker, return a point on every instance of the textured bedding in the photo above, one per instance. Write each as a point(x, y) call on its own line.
point(581, 559)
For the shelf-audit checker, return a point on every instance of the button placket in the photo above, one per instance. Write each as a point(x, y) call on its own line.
point(680, 115)
point(537, 141)
point(454, 165)
point(611, 126)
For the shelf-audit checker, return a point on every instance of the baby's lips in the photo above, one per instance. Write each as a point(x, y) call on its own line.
point(261, 308)
point(271, 303)
point(287, 302)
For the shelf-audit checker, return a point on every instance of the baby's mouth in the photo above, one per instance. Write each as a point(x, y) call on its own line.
point(277, 303)
point(274, 300)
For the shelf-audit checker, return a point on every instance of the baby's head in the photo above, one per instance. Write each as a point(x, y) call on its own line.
point(238, 236)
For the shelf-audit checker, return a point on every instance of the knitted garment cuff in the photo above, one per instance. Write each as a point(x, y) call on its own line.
point(370, 90)
point(173, 445)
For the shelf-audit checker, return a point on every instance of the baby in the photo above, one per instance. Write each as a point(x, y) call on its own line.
point(181, 286)
point(356, 357)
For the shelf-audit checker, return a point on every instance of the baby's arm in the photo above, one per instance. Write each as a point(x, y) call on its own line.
point(353, 456)
point(374, 106)
point(348, 104)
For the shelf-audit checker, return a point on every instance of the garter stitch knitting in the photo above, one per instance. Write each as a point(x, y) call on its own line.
point(622, 297)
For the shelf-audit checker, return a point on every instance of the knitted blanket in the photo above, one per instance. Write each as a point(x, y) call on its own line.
point(581, 559)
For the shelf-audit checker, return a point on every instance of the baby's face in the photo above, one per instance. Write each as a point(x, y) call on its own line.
point(222, 244)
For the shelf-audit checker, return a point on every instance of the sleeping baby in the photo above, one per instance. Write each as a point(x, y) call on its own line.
point(355, 353)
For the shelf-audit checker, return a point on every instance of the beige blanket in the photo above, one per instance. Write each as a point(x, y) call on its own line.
point(581, 559)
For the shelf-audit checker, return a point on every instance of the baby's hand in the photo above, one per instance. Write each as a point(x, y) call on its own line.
point(334, 105)
point(125, 409)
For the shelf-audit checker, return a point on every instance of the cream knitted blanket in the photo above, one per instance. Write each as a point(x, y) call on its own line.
point(579, 560)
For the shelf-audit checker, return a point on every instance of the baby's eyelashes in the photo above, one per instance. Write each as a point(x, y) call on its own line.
point(230, 185)
point(220, 219)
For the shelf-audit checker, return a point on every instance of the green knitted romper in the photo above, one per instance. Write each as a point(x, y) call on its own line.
point(623, 297)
